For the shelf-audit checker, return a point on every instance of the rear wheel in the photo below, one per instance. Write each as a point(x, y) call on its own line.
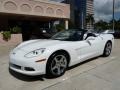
point(57, 64)
point(107, 49)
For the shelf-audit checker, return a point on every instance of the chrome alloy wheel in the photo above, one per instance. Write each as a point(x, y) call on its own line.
point(108, 49)
point(58, 64)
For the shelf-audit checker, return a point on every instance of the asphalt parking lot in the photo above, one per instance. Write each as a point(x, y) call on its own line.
point(97, 74)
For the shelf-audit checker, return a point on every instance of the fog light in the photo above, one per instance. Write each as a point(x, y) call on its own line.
point(29, 69)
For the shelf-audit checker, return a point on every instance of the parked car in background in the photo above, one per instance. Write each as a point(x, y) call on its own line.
point(108, 32)
point(42, 34)
point(117, 34)
point(104, 31)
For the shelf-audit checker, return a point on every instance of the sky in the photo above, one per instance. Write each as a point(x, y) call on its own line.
point(103, 9)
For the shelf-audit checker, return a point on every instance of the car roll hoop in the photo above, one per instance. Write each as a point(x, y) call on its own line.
point(90, 35)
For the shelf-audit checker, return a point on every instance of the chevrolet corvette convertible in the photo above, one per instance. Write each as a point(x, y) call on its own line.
point(53, 56)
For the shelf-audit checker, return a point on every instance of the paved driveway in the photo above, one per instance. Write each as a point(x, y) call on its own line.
point(96, 74)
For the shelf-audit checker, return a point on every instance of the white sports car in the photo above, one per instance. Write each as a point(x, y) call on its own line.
point(53, 56)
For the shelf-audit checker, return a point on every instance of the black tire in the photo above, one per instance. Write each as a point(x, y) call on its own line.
point(57, 64)
point(107, 49)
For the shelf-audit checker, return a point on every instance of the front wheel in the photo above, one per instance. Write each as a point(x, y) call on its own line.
point(57, 64)
point(107, 49)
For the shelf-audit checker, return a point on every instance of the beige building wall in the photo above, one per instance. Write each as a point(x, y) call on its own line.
point(43, 8)
point(32, 9)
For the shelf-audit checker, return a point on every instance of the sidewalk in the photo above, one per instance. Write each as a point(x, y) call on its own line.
point(15, 39)
point(4, 50)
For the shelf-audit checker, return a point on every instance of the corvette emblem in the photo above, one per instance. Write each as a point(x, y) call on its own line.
point(14, 53)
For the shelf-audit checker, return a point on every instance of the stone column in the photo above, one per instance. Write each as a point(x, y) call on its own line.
point(66, 24)
point(51, 24)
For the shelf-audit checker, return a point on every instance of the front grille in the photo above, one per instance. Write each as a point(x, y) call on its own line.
point(21, 67)
point(15, 66)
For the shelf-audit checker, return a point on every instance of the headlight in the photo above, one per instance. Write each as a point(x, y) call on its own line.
point(35, 53)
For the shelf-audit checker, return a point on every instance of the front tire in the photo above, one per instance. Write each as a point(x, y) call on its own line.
point(107, 49)
point(57, 64)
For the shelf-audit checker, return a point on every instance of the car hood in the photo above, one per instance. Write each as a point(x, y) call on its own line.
point(37, 44)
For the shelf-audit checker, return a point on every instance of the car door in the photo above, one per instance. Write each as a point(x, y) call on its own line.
point(82, 50)
point(96, 44)
point(87, 49)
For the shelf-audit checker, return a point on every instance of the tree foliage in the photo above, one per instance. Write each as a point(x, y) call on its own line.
point(60, 27)
point(6, 35)
point(107, 25)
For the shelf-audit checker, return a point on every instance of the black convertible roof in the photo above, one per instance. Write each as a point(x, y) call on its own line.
point(78, 29)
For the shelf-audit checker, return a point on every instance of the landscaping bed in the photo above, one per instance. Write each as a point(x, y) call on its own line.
point(14, 40)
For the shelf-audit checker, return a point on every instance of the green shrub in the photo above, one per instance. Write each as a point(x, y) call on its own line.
point(60, 27)
point(6, 35)
point(15, 30)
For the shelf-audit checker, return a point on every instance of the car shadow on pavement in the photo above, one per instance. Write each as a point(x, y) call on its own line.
point(25, 77)
point(43, 77)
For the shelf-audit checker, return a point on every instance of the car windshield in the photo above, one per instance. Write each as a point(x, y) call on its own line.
point(69, 35)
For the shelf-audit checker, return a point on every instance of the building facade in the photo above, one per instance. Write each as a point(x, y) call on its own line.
point(81, 13)
point(34, 8)
point(90, 15)
point(29, 11)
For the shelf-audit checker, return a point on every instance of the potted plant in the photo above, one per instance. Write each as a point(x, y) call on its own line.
point(15, 30)
point(6, 35)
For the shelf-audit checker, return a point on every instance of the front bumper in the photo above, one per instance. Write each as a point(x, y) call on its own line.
point(27, 66)
point(30, 73)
